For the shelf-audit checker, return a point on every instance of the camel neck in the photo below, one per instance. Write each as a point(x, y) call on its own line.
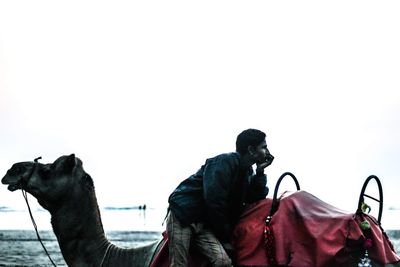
point(79, 231)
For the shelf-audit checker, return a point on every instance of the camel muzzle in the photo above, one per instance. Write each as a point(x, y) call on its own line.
point(13, 182)
point(18, 181)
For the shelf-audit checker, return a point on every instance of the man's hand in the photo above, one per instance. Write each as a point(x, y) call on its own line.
point(261, 166)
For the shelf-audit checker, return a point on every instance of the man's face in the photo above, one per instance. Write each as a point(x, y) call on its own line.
point(261, 153)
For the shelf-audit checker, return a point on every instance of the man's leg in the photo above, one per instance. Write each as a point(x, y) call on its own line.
point(179, 242)
point(208, 245)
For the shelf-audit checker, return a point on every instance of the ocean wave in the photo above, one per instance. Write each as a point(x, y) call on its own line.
point(127, 208)
point(6, 209)
point(11, 209)
point(48, 235)
point(21, 247)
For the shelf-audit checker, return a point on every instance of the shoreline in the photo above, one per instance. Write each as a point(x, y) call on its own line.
point(17, 247)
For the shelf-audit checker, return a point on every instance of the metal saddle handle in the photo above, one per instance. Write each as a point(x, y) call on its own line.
point(362, 195)
point(275, 201)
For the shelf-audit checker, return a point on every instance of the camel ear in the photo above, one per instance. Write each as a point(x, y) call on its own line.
point(87, 182)
point(70, 162)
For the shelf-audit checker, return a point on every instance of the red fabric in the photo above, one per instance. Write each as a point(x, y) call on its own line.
point(306, 232)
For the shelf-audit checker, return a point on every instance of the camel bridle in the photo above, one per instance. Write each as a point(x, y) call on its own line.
point(23, 181)
point(25, 195)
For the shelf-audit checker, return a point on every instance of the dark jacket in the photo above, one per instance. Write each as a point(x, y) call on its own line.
point(216, 194)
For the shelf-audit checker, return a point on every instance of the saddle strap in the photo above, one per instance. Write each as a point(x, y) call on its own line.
point(269, 242)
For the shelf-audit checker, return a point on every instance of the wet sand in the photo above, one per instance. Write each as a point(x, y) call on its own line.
point(22, 248)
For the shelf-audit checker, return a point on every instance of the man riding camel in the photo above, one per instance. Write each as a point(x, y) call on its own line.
point(205, 207)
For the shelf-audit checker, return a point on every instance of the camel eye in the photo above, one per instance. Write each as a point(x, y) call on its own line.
point(17, 170)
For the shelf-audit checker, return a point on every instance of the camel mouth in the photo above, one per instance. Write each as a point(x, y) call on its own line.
point(14, 187)
point(14, 183)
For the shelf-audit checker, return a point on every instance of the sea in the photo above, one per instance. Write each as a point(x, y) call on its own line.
point(124, 226)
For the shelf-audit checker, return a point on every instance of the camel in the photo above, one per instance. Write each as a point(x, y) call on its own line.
point(67, 192)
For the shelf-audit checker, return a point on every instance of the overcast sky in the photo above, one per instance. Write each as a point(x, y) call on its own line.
point(143, 92)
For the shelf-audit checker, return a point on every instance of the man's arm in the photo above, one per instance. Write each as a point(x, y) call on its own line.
point(257, 189)
point(258, 182)
point(217, 184)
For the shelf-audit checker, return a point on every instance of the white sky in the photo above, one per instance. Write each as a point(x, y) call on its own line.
point(143, 92)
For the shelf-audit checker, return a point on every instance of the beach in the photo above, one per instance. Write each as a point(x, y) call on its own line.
point(126, 227)
point(22, 248)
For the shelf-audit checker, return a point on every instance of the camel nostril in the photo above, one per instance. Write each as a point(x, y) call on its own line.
point(5, 180)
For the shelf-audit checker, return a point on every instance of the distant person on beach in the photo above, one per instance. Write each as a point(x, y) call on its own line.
point(205, 207)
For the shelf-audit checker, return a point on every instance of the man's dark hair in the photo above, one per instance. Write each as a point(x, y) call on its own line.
point(249, 137)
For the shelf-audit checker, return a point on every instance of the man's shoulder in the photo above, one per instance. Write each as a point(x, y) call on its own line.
point(231, 157)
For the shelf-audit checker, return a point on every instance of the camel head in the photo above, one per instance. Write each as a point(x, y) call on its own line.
point(18, 174)
point(48, 183)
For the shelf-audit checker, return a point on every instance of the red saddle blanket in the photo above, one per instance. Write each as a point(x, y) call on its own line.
point(307, 233)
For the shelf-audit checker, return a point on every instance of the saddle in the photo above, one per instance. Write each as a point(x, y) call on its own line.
point(298, 229)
